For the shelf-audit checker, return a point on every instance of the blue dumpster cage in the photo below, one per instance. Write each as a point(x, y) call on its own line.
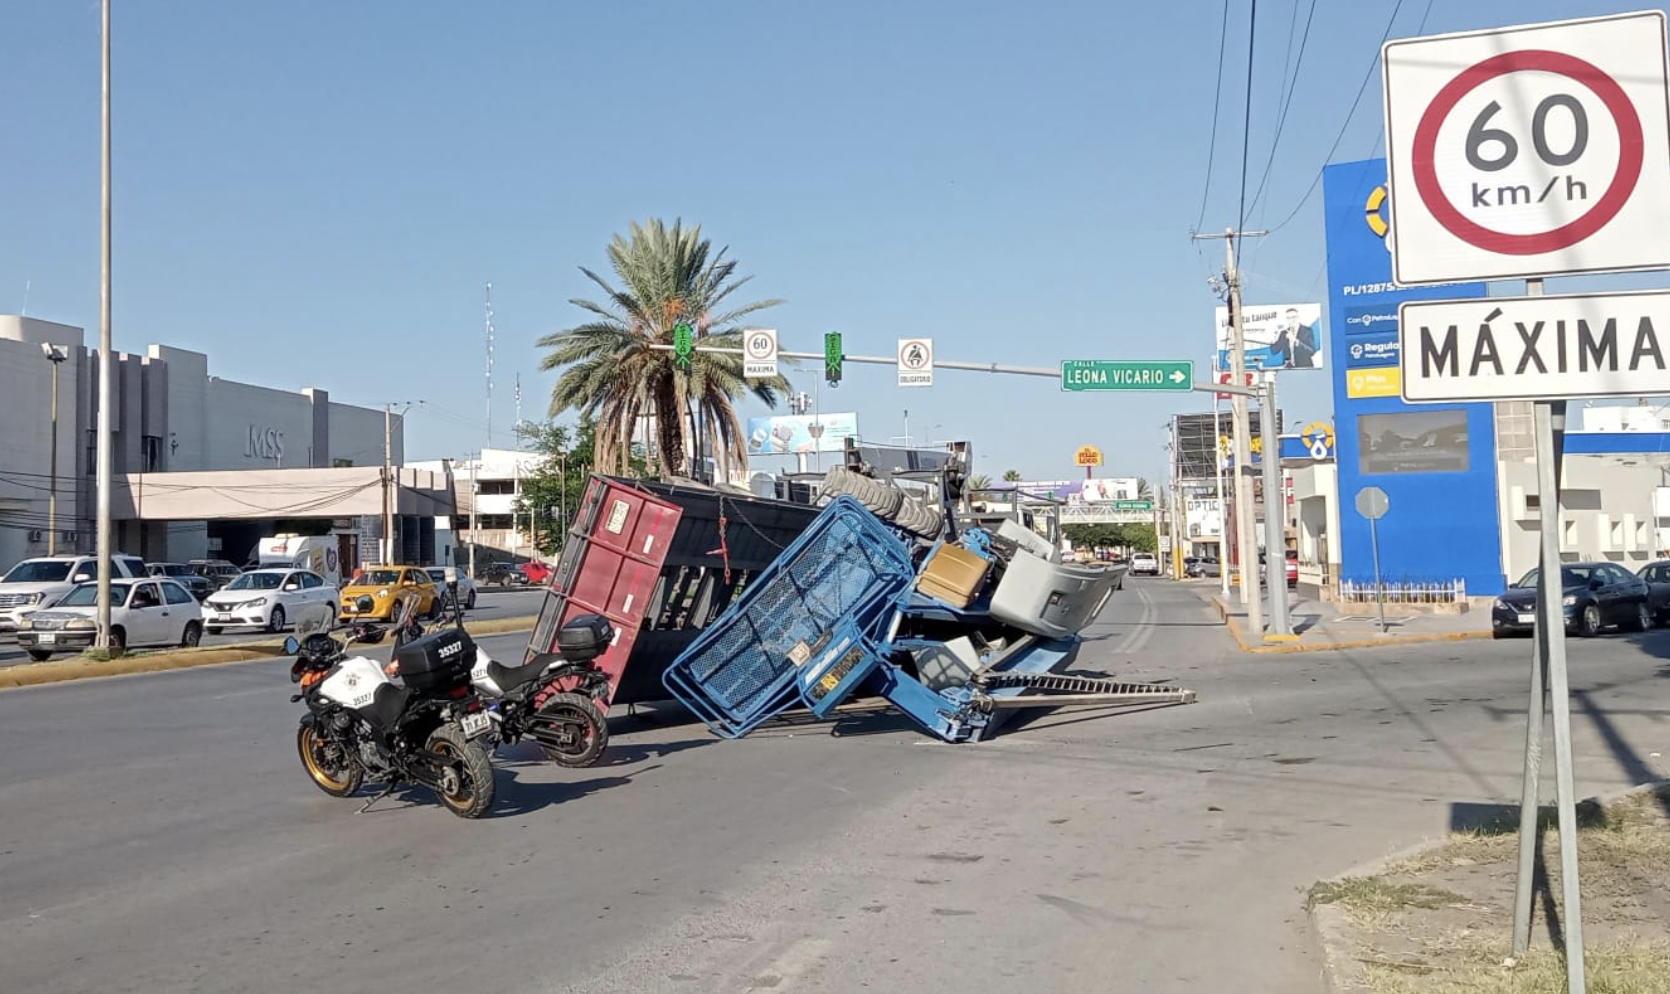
point(838, 611)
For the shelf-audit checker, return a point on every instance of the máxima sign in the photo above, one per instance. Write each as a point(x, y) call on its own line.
point(1536, 348)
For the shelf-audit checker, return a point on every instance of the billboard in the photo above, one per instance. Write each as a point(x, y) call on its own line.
point(1278, 336)
point(1203, 517)
point(1413, 442)
point(790, 433)
point(1103, 491)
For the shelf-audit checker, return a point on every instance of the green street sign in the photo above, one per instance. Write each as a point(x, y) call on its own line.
point(1133, 505)
point(1123, 374)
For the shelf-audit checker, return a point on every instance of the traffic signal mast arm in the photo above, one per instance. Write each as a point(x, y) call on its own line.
point(1053, 373)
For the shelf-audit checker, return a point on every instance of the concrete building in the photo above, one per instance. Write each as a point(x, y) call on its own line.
point(168, 415)
point(487, 489)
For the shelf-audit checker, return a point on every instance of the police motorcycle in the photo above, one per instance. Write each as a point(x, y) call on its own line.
point(430, 729)
point(554, 699)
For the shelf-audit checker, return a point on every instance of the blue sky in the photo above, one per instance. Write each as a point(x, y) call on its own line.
point(314, 192)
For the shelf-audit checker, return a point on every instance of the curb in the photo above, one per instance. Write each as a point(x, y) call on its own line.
point(1301, 646)
point(81, 668)
point(1328, 920)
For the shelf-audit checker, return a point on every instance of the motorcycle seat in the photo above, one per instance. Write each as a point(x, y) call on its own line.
point(510, 677)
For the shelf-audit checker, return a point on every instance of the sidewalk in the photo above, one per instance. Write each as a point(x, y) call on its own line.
point(1321, 626)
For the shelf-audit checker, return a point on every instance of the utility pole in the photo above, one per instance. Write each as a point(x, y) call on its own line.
point(1179, 526)
point(388, 475)
point(473, 518)
point(56, 356)
point(105, 463)
point(1246, 541)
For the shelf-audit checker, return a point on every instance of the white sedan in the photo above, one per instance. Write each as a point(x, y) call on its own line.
point(142, 612)
point(265, 598)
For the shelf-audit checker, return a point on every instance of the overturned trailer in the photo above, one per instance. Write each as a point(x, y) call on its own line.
point(742, 607)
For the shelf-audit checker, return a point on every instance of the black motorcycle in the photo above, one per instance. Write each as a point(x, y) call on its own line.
point(554, 698)
point(361, 725)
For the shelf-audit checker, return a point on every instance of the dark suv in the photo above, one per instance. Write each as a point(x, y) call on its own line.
point(199, 585)
point(502, 575)
point(217, 571)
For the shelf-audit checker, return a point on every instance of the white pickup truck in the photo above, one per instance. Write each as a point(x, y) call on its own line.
point(36, 583)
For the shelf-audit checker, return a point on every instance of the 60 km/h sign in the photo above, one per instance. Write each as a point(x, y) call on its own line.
point(1120, 374)
point(1529, 151)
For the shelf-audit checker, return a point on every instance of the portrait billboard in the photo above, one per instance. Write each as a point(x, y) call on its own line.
point(1277, 336)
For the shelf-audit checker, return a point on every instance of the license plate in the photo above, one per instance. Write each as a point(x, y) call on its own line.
point(475, 724)
point(223, 617)
point(1527, 619)
point(47, 638)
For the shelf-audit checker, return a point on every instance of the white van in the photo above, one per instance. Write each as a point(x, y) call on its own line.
point(316, 553)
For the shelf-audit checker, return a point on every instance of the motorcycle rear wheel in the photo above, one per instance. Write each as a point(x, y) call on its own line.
point(473, 794)
point(338, 779)
point(584, 733)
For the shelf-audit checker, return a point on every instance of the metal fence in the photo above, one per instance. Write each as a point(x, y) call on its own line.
point(1403, 590)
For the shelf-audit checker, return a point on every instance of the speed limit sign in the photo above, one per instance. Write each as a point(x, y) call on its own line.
point(1529, 151)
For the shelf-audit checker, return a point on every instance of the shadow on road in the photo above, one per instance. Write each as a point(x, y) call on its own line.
point(517, 796)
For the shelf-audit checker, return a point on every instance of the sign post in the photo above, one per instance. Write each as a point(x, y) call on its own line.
point(1124, 374)
point(916, 362)
point(759, 353)
point(1373, 505)
point(1533, 151)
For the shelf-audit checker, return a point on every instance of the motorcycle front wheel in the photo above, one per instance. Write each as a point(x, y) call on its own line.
point(332, 771)
point(570, 730)
point(469, 792)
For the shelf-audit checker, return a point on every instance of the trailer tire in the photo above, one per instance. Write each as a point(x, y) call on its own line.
point(920, 518)
point(881, 499)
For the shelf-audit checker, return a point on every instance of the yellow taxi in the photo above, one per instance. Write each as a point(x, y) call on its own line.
point(374, 593)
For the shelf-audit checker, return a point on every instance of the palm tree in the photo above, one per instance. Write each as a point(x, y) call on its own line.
point(1145, 490)
point(1012, 476)
point(611, 373)
point(979, 482)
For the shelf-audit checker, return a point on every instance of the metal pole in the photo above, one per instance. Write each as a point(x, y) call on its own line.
point(1223, 518)
point(1530, 792)
point(1246, 545)
point(473, 518)
point(105, 463)
point(388, 473)
point(52, 488)
point(1379, 591)
point(1275, 512)
point(1551, 425)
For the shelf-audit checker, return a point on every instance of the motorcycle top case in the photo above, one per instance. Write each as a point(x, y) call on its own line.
point(437, 662)
point(585, 636)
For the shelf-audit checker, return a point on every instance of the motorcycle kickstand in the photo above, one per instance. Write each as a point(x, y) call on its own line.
point(386, 792)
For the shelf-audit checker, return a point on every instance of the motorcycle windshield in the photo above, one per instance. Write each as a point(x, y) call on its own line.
point(405, 604)
point(312, 618)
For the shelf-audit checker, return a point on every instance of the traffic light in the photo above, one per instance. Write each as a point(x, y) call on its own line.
point(832, 358)
point(683, 347)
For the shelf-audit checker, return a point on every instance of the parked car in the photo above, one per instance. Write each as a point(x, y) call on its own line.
point(217, 571)
point(38, 583)
point(1144, 564)
point(265, 598)
point(445, 576)
point(1597, 595)
point(181, 573)
point(156, 611)
point(372, 595)
point(503, 575)
point(1657, 577)
point(1203, 566)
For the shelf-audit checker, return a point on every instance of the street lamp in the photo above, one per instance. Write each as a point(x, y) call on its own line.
point(56, 356)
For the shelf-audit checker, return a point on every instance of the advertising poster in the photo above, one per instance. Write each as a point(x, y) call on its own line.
point(1278, 336)
point(784, 434)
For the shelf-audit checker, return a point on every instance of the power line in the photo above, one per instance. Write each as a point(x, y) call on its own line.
point(1246, 119)
point(1217, 98)
point(1361, 88)
point(1292, 86)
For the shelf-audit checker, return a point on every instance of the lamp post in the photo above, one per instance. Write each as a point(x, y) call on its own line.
point(56, 356)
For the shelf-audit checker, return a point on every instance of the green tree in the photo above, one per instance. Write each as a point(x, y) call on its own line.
point(1145, 490)
point(1011, 476)
point(554, 483)
point(611, 374)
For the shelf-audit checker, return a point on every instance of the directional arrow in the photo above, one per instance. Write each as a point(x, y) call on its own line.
point(1178, 377)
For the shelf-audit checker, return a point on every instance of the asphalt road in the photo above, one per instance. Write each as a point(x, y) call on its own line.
point(160, 835)
point(491, 602)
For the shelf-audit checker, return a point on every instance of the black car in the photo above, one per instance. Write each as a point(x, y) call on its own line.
point(1597, 595)
point(1657, 577)
point(200, 586)
point(503, 575)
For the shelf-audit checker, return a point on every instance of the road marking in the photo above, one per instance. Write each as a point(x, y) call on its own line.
point(1138, 636)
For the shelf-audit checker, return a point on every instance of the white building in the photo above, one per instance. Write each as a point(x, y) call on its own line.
point(488, 488)
point(168, 415)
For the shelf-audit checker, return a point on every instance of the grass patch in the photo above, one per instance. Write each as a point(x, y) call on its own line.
point(1612, 968)
point(1377, 895)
